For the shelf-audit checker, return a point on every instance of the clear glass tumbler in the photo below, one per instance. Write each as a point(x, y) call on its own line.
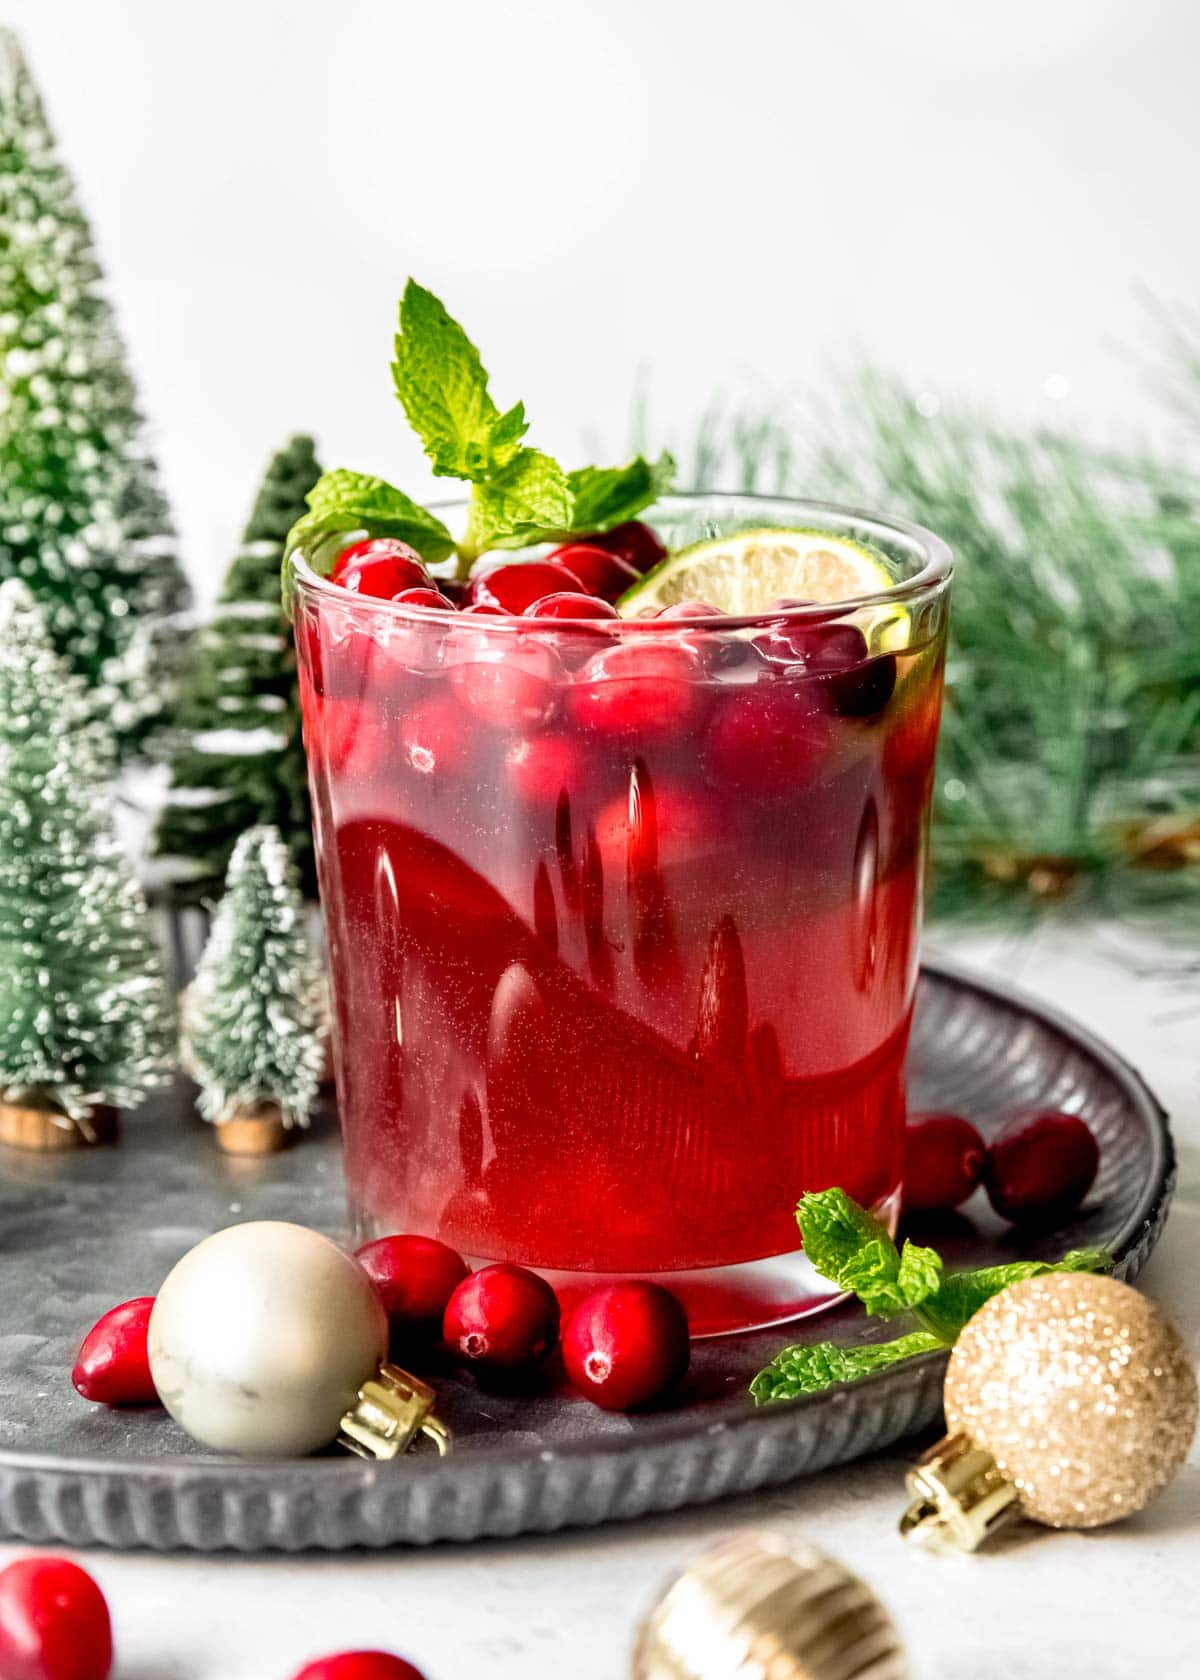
point(622, 916)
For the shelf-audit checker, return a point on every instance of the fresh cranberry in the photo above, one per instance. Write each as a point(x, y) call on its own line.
point(520, 583)
point(854, 685)
point(943, 1162)
point(113, 1366)
point(599, 571)
point(1040, 1167)
point(425, 597)
point(484, 609)
point(652, 826)
point(639, 688)
point(626, 1345)
point(435, 737)
point(380, 567)
point(414, 1278)
point(690, 609)
point(54, 1623)
point(542, 767)
point(502, 1318)
point(509, 681)
point(359, 1665)
point(567, 604)
point(634, 542)
point(767, 737)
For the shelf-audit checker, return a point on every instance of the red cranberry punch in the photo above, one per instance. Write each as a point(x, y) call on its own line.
point(622, 876)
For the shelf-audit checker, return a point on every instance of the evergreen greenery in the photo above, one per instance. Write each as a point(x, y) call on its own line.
point(240, 756)
point(85, 1017)
point(82, 518)
point(1069, 757)
point(256, 1009)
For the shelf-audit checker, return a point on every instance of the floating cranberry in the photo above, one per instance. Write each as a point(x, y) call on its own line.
point(599, 571)
point(424, 597)
point(639, 688)
point(653, 826)
point(1040, 1167)
point(113, 1366)
point(690, 609)
point(414, 1278)
point(502, 1318)
point(854, 684)
point(569, 604)
point(54, 1622)
point(436, 738)
point(509, 681)
point(767, 737)
point(520, 583)
point(626, 1345)
point(359, 1665)
point(542, 767)
point(634, 542)
point(380, 567)
point(484, 609)
point(943, 1162)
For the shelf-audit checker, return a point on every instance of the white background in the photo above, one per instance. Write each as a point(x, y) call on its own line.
point(699, 193)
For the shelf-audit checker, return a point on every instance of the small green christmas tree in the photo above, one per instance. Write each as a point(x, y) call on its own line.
point(85, 1018)
point(256, 1011)
point(241, 757)
point(82, 519)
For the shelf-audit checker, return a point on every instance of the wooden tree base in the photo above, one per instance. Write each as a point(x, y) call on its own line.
point(46, 1130)
point(254, 1130)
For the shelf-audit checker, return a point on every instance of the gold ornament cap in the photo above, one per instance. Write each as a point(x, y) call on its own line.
point(1070, 1390)
point(392, 1411)
point(765, 1605)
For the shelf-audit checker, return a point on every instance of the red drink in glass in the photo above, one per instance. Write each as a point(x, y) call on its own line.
point(622, 917)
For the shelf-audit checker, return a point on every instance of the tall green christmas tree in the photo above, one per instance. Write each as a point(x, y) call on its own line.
point(82, 518)
point(256, 1011)
point(240, 760)
point(85, 1017)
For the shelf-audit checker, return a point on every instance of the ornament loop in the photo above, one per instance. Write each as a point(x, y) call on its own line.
point(959, 1497)
point(392, 1409)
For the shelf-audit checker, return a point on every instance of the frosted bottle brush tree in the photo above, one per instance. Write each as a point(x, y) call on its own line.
point(82, 518)
point(238, 757)
point(256, 1013)
point(86, 1022)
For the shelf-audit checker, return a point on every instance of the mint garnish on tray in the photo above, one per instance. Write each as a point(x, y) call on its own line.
point(518, 495)
point(851, 1248)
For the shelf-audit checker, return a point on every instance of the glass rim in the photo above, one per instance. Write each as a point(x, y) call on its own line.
point(933, 575)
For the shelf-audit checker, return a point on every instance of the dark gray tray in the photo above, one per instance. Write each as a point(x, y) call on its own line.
point(79, 1232)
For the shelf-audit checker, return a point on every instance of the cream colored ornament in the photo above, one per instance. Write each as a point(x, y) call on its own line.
point(261, 1338)
point(1069, 1398)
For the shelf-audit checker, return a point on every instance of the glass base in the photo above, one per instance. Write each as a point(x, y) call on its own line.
point(718, 1300)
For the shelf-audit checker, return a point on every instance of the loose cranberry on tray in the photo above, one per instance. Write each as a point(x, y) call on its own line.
point(943, 1162)
point(1040, 1167)
point(626, 1345)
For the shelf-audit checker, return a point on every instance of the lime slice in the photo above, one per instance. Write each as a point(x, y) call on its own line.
point(750, 572)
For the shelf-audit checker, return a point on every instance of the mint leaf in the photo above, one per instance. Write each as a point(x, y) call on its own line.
point(517, 503)
point(607, 496)
point(350, 501)
point(837, 1234)
point(443, 386)
point(809, 1370)
point(963, 1293)
point(920, 1274)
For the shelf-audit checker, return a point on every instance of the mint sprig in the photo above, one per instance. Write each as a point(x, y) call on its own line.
point(851, 1248)
point(518, 496)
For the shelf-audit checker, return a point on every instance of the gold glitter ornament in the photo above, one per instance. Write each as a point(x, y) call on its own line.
point(1068, 1398)
point(766, 1607)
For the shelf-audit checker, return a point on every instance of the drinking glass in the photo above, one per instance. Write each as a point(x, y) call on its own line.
point(623, 915)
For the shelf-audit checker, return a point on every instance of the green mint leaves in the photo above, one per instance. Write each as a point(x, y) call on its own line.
point(850, 1247)
point(808, 1370)
point(443, 386)
point(518, 495)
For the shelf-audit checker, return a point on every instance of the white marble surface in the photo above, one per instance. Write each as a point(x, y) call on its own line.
point(1108, 1606)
